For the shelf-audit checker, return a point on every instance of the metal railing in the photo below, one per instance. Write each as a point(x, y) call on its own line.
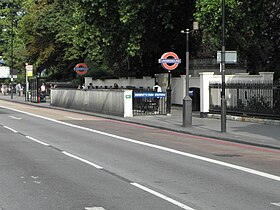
point(257, 99)
point(146, 102)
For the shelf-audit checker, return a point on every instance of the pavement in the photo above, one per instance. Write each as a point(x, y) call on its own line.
point(250, 131)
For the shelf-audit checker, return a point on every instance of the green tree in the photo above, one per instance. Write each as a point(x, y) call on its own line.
point(116, 37)
point(39, 31)
point(132, 35)
point(12, 48)
point(251, 29)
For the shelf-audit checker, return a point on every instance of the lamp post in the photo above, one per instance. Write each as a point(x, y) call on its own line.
point(223, 100)
point(12, 48)
point(187, 101)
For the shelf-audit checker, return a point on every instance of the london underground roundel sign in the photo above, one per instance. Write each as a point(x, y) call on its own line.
point(169, 61)
point(81, 68)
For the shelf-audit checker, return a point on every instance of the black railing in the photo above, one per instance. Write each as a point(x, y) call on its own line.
point(34, 90)
point(146, 102)
point(257, 99)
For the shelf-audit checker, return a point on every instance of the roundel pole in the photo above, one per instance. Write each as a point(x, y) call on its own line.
point(168, 90)
point(169, 61)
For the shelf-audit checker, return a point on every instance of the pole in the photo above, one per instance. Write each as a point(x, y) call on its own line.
point(168, 90)
point(26, 83)
point(187, 101)
point(12, 49)
point(223, 100)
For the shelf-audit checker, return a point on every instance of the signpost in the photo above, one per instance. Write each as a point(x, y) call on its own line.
point(81, 68)
point(169, 58)
point(230, 57)
point(150, 95)
point(169, 61)
point(4, 72)
point(28, 73)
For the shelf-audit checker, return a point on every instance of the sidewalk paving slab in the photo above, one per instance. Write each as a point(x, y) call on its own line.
point(254, 132)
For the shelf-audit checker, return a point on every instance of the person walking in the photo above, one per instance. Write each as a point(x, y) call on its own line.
point(157, 88)
point(43, 93)
point(18, 88)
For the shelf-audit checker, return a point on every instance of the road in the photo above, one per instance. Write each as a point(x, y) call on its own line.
point(53, 159)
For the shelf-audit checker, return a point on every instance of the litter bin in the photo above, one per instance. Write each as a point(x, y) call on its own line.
point(194, 93)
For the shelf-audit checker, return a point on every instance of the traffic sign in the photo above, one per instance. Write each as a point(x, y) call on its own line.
point(169, 58)
point(230, 57)
point(29, 70)
point(81, 68)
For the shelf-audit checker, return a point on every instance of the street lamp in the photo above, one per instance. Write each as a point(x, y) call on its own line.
point(12, 48)
point(187, 101)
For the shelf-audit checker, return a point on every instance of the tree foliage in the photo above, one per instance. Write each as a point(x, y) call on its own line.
point(11, 46)
point(121, 38)
point(126, 38)
point(251, 29)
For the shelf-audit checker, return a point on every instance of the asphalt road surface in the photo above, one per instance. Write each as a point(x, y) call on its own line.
point(53, 159)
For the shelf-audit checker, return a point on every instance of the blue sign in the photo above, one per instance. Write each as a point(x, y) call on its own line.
point(191, 92)
point(169, 60)
point(150, 95)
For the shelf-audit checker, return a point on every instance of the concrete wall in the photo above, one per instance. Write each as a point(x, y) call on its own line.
point(208, 77)
point(178, 85)
point(122, 82)
point(114, 102)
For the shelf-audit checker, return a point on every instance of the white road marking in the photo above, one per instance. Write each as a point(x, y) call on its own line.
point(36, 140)
point(217, 162)
point(83, 160)
point(183, 206)
point(74, 118)
point(276, 204)
point(13, 130)
point(94, 208)
point(16, 118)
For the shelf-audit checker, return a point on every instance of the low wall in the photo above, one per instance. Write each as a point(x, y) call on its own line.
point(114, 102)
point(208, 77)
point(178, 84)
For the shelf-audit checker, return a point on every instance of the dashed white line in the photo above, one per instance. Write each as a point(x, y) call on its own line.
point(83, 160)
point(16, 118)
point(94, 208)
point(276, 204)
point(13, 130)
point(36, 140)
point(217, 162)
point(183, 206)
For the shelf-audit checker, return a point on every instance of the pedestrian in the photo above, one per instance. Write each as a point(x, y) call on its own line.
point(116, 86)
point(90, 86)
point(18, 88)
point(43, 88)
point(43, 92)
point(21, 90)
point(157, 88)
